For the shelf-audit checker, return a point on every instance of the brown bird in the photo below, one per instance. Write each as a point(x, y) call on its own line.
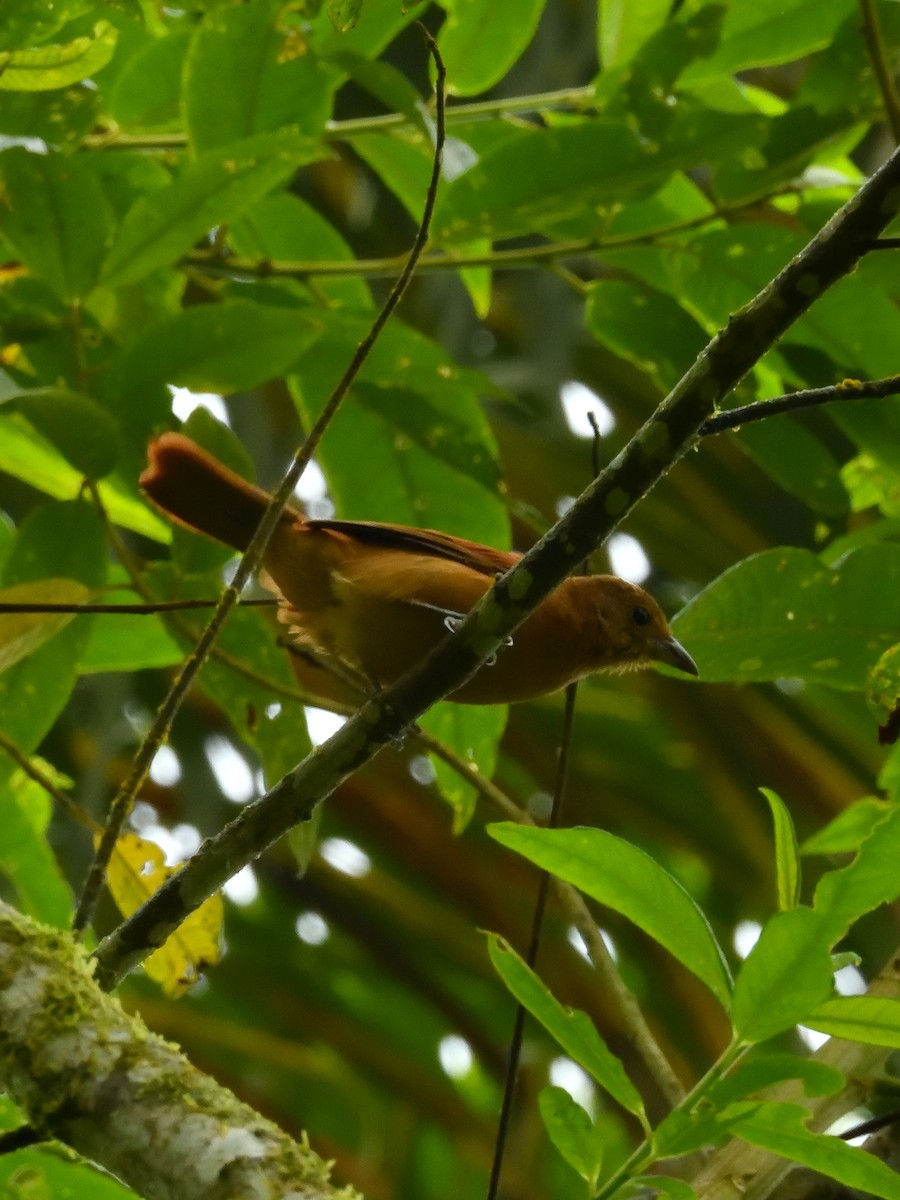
point(376, 598)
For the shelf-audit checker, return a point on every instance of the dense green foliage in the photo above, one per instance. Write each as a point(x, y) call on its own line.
point(213, 199)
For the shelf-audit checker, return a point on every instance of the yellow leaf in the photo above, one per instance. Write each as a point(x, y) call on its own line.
point(23, 633)
point(136, 870)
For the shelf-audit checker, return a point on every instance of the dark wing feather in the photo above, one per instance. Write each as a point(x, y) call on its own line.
point(484, 559)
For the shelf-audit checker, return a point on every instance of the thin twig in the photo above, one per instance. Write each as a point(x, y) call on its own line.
point(874, 35)
point(130, 610)
point(213, 262)
point(36, 775)
point(872, 1125)
point(760, 410)
point(158, 732)
point(534, 944)
point(469, 771)
point(339, 131)
point(619, 995)
point(21, 1139)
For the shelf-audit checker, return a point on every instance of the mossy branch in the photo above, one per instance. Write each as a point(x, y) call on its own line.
point(89, 1075)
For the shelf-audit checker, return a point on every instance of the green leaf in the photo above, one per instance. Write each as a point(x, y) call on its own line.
point(303, 840)
point(798, 460)
point(628, 881)
point(717, 273)
point(39, 1174)
point(781, 613)
point(475, 735)
point(121, 642)
point(661, 1185)
point(625, 25)
point(387, 84)
point(455, 440)
point(38, 21)
point(146, 94)
point(646, 327)
point(764, 1071)
point(127, 642)
point(871, 483)
point(55, 216)
point(26, 858)
point(224, 348)
point(883, 690)
point(403, 163)
point(768, 32)
point(416, 420)
point(687, 1129)
point(507, 192)
point(25, 455)
point(781, 1129)
point(848, 829)
point(478, 281)
point(82, 431)
point(787, 857)
point(283, 227)
point(840, 77)
point(874, 1020)
point(845, 958)
point(60, 118)
point(247, 73)
point(216, 187)
point(572, 1132)
point(48, 67)
point(482, 39)
point(247, 674)
point(677, 202)
point(57, 540)
point(645, 91)
point(547, 175)
point(23, 633)
point(570, 1027)
point(344, 14)
point(379, 23)
point(849, 325)
point(870, 880)
point(786, 974)
point(713, 1117)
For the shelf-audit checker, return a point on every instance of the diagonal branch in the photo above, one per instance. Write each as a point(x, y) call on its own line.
point(656, 447)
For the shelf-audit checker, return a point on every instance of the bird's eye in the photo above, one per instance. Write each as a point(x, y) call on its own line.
point(640, 615)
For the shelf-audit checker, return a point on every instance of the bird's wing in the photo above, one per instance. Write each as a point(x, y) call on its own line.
point(484, 559)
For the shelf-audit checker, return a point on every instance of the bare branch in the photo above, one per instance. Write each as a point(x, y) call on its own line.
point(847, 389)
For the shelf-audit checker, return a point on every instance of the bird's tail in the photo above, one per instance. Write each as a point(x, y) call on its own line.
point(198, 491)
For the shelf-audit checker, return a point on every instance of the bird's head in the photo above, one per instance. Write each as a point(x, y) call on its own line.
point(631, 629)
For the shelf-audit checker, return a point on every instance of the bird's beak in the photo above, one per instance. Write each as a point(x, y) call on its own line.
point(670, 651)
